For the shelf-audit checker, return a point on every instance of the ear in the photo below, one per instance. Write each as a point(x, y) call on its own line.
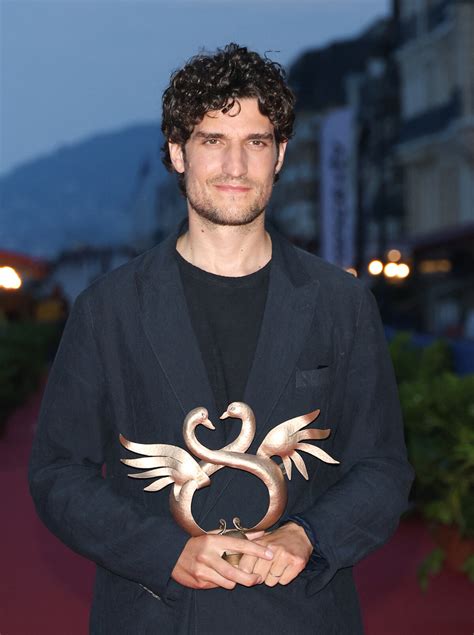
point(281, 155)
point(177, 156)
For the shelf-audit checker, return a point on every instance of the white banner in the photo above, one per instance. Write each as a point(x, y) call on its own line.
point(337, 191)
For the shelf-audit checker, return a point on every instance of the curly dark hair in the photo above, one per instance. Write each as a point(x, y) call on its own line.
point(215, 82)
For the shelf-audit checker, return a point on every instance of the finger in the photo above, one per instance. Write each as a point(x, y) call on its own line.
point(289, 575)
point(213, 579)
point(203, 584)
point(247, 563)
point(236, 575)
point(271, 580)
point(249, 547)
point(274, 576)
point(272, 573)
point(254, 535)
point(261, 568)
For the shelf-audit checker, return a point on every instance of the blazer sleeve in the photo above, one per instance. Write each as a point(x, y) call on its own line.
point(362, 509)
point(71, 495)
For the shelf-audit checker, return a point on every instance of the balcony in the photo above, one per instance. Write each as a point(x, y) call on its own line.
point(431, 121)
point(437, 14)
point(407, 30)
point(417, 25)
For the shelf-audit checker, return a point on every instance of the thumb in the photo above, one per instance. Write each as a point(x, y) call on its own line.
point(254, 535)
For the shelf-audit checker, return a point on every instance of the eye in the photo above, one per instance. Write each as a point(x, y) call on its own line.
point(211, 142)
point(259, 144)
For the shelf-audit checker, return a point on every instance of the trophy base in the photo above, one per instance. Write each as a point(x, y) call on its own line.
point(232, 557)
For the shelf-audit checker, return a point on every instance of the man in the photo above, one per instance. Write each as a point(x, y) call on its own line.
point(224, 310)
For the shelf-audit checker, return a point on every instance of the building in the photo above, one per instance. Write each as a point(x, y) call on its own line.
point(374, 97)
point(318, 79)
point(295, 203)
point(75, 269)
point(435, 151)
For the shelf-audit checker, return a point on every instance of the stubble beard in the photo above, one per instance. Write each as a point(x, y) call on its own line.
point(230, 216)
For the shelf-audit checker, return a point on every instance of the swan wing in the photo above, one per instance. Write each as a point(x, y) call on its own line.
point(288, 465)
point(299, 461)
point(286, 438)
point(295, 424)
point(160, 483)
point(160, 471)
point(154, 449)
point(152, 462)
point(170, 463)
point(299, 464)
point(317, 452)
point(313, 433)
point(282, 439)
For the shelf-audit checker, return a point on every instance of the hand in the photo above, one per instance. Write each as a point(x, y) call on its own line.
point(201, 566)
point(292, 549)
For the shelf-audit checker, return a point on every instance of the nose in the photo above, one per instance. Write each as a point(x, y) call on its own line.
point(234, 161)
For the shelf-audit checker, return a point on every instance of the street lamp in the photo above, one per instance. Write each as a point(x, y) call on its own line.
point(375, 267)
point(394, 255)
point(403, 270)
point(391, 270)
point(9, 278)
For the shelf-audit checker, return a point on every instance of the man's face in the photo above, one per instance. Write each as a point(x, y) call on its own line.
point(229, 164)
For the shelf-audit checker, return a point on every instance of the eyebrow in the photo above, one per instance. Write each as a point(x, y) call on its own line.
point(263, 136)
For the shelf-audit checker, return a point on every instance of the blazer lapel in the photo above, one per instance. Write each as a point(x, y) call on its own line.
point(167, 325)
point(288, 315)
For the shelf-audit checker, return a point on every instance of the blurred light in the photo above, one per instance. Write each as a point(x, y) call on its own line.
point(9, 279)
point(391, 270)
point(435, 266)
point(394, 255)
point(352, 271)
point(375, 267)
point(403, 270)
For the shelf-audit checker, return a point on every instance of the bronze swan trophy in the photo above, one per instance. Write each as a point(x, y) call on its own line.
point(170, 464)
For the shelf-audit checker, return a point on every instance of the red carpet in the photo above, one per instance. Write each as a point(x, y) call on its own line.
point(46, 589)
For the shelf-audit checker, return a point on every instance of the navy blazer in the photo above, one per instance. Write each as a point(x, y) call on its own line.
point(129, 363)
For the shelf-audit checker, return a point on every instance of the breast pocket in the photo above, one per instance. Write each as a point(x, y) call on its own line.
point(313, 385)
point(311, 377)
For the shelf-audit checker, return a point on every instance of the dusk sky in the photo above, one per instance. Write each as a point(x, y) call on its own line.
point(72, 68)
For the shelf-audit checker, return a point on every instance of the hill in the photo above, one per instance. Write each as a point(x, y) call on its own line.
point(98, 192)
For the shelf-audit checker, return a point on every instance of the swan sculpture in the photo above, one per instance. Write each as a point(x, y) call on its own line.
point(172, 464)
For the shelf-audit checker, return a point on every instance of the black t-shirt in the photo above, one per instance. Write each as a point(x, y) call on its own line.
point(226, 314)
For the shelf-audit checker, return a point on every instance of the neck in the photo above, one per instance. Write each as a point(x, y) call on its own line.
point(226, 250)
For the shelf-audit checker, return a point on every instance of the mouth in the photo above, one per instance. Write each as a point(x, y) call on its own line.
point(233, 189)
